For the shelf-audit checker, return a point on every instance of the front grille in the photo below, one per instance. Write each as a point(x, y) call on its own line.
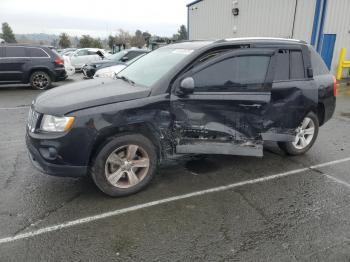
point(32, 121)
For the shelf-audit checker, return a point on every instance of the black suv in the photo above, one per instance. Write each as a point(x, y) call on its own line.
point(119, 58)
point(201, 97)
point(37, 65)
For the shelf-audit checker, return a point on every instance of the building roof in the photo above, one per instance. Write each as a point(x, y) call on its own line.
point(194, 2)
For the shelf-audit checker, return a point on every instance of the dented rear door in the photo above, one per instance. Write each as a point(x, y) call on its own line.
point(225, 114)
point(293, 94)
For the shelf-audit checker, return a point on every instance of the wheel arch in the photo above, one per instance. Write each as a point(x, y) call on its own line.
point(36, 69)
point(144, 129)
point(321, 113)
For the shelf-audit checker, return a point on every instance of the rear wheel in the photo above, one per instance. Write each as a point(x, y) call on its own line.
point(125, 165)
point(40, 80)
point(306, 134)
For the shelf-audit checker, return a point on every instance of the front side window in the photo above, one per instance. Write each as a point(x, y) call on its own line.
point(152, 67)
point(90, 52)
point(233, 74)
point(82, 52)
point(15, 51)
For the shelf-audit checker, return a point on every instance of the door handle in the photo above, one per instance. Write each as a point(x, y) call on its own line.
point(250, 105)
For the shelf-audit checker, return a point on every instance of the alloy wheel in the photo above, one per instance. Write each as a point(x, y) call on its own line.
point(40, 81)
point(305, 133)
point(127, 166)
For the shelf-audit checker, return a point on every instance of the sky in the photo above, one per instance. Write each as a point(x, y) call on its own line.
point(97, 18)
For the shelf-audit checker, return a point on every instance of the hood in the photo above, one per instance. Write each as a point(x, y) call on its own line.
point(62, 100)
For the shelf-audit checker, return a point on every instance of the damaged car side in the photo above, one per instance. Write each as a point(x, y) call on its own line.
point(197, 97)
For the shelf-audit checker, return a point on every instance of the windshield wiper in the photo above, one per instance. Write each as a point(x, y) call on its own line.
point(124, 78)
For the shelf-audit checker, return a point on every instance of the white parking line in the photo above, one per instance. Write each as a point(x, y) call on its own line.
point(14, 108)
point(162, 201)
point(339, 181)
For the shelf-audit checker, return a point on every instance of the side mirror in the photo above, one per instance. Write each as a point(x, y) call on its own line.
point(100, 54)
point(310, 72)
point(124, 59)
point(187, 85)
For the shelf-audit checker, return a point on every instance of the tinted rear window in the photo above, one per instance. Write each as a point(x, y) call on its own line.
point(296, 65)
point(282, 69)
point(318, 65)
point(36, 52)
point(290, 65)
point(15, 51)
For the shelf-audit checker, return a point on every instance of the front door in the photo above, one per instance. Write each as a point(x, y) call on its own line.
point(225, 113)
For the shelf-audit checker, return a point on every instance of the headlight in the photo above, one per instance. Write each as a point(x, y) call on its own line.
point(105, 74)
point(56, 124)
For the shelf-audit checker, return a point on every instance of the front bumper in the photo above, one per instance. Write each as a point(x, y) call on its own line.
point(46, 167)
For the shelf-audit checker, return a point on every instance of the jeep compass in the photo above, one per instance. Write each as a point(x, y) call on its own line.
point(196, 97)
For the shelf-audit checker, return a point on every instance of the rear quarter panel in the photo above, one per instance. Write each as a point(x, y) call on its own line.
point(326, 96)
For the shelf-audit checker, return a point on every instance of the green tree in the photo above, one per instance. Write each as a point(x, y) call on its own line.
point(86, 41)
point(7, 33)
point(96, 43)
point(181, 33)
point(64, 41)
point(111, 41)
point(137, 40)
point(147, 36)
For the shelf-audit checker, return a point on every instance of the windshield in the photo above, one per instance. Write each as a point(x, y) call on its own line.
point(117, 56)
point(150, 68)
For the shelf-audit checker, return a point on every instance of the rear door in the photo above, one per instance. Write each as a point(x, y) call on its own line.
point(293, 94)
point(225, 114)
point(12, 64)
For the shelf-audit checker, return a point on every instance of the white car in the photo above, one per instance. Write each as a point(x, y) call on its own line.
point(109, 72)
point(84, 56)
point(112, 71)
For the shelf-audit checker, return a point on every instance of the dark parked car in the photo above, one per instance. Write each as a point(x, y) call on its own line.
point(121, 57)
point(37, 65)
point(202, 97)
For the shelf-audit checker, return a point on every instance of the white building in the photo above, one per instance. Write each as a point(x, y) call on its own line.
point(323, 23)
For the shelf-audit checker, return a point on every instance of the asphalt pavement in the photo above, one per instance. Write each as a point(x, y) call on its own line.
point(202, 208)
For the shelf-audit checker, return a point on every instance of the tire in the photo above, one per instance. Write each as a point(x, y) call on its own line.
point(298, 147)
point(40, 80)
point(113, 170)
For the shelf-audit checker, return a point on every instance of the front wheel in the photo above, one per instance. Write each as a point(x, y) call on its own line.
point(306, 134)
point(125, 165)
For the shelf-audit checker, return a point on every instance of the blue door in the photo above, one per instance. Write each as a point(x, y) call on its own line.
point(327, 50)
